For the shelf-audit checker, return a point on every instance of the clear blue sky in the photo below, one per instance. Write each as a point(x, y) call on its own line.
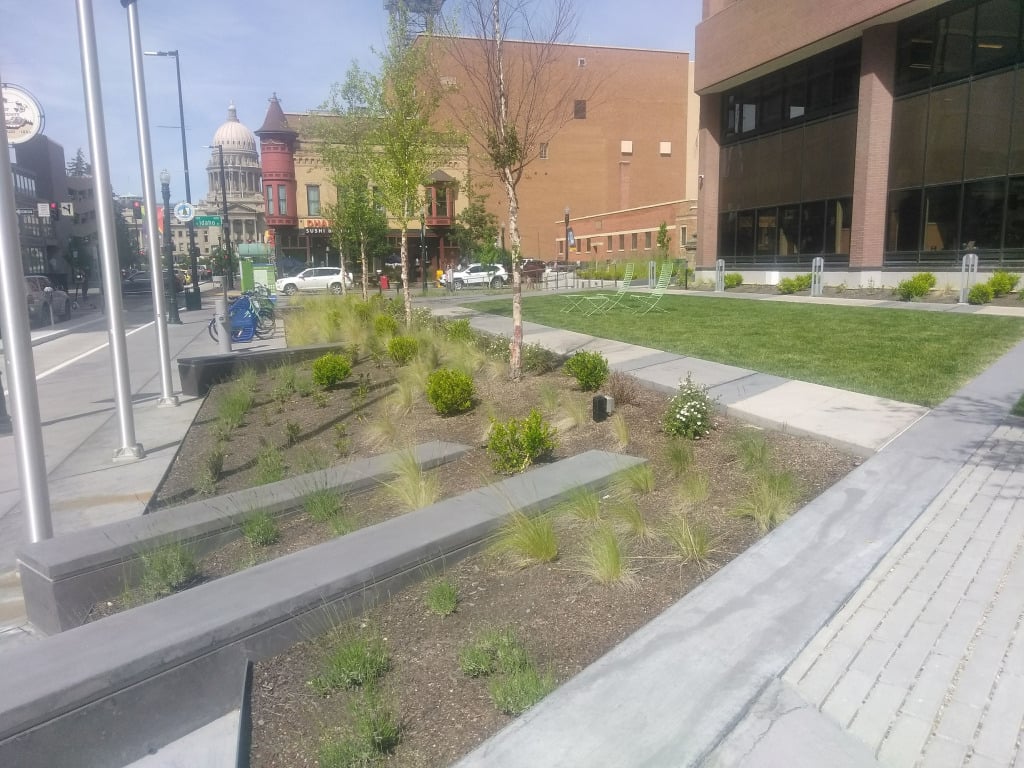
point(226, 57)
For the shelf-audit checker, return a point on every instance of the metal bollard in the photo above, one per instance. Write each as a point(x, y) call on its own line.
point(220, 311)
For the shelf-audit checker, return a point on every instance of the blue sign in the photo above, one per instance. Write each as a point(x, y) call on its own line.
point(184, 212)
point(572, 238)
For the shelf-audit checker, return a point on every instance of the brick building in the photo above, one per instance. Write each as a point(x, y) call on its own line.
point(880, 135)
point(622, 152)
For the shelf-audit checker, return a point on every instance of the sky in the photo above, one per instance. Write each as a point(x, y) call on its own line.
point(227, 56)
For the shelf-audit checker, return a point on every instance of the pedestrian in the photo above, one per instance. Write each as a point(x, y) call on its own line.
point(449, 278)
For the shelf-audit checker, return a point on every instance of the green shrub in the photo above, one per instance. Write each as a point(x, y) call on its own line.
point(689, 411)
point(494, 651)
point(517, 691)
point(916, 286)
point(733, 280)
point(354, 660)
point(795, 284)
point(1002, 283)
point(450, 391)
point(590, 369)
point(517, 443)
point(261, 529)
point(331, 369)
point(980, 293)
point(166, 570)
point(385, 325)
point(402, 349)
point(459, 330)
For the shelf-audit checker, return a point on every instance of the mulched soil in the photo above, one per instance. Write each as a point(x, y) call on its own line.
point(566, 618)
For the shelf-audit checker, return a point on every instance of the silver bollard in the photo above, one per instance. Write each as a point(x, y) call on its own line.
point(220, 311)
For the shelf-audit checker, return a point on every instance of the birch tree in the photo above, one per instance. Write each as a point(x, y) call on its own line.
point(511, 101)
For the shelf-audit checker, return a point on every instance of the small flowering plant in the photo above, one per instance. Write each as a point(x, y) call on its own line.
point(689, 412)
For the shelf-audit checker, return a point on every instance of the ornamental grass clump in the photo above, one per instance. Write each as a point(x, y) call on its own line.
point(353, 660)
point(165, 570)
point(590, 369)
point(515, 683)
point(331, 369)
point(689, 411)
point(450, 391)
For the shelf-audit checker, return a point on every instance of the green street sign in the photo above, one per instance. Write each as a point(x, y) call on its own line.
point(207, 221)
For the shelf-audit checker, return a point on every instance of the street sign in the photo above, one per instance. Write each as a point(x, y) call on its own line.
point(67, 209)
point(43, 210)
point(208, 221)
point(184, 212)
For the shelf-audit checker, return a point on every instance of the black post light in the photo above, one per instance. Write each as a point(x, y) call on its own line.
point(228, 271)
point(173, 318)
point(193, 298)
point(566, 238)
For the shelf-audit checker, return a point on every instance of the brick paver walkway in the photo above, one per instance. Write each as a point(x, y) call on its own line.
point(925, 664)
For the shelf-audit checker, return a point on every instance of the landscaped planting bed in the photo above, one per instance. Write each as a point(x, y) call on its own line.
point(546, 598)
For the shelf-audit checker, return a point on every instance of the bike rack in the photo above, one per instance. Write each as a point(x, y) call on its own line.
point(720, 276)
point(817, 275)
point(968, 273)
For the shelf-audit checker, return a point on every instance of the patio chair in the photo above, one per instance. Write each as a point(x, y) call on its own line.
point(648, 302)
point(589, 303)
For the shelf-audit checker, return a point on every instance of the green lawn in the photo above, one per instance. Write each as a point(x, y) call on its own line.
point(913, 356)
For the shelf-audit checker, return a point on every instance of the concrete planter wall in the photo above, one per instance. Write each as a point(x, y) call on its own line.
point(106, 693)
point(62, 578)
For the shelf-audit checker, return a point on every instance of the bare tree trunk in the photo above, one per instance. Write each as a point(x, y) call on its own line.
point(406, 294)
point(344, 274)
point(366, 277)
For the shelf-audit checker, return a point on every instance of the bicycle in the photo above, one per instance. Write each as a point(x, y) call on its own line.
point(249, 316)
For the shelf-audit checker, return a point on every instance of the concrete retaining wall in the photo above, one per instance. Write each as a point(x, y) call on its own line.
point(62, 578)
point(106, 693)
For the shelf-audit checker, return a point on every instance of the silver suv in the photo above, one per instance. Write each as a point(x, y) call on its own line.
point(493, 275)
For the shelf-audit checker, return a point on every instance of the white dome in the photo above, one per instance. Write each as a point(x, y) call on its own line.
point(232, 135)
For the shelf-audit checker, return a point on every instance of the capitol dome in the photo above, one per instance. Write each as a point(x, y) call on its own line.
point(232, 135)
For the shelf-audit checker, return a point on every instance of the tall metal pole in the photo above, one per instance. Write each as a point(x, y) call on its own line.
point(167, 397)
point(228, 271)
point(193, 298)
point(172, 282)
point(130, 448)
point(21, 369)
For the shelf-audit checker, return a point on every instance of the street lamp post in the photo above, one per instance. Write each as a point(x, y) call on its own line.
point(566, 236)
point(228, 272)
point(172, 283)
point(193, 298)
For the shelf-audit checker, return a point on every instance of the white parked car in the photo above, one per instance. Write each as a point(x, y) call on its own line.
point(314, 279)
point(493, 275)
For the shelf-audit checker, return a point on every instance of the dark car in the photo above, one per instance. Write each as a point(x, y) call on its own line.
point(141, 282)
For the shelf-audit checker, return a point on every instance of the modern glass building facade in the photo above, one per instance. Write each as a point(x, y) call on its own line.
point(896, 142)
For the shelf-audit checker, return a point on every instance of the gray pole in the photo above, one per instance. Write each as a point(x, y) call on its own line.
point(21, 368)
point(167, 397)
point(111, 268)
point(229, 271)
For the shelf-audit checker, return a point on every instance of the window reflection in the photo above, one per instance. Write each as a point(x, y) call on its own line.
point(982, 220)
point(941, 206)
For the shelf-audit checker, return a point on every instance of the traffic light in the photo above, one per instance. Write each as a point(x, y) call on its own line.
point(136, 210)
point(54, 212)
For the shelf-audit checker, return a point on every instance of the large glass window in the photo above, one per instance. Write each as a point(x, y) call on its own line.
point(789, 230)
point(767, 231)
point(270, 200)
point(941, 217)
point(981, 225)
point(838, 222)
point(745, 234)
point(727, 235)
point(812, 228)
point(947, 127)
point(904, 221)
point(988, 129)
point(282, 200)
point(997, 35)
point(1014, 237)
point(313, 199)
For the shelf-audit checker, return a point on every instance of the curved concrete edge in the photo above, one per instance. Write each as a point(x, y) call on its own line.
point(73, 688)
point(62, 578)
point(670, 693)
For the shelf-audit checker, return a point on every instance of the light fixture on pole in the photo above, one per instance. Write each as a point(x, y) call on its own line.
point(566, 235)
point(228, 271)
point(172, 279)
point(193, 299)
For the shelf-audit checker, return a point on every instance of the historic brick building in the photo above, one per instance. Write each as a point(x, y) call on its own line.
point(880, 135)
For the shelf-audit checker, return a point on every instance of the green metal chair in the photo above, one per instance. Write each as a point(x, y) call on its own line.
point(648, 302)
point(589, 303)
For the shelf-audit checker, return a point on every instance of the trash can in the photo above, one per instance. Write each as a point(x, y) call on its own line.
point(384, 282)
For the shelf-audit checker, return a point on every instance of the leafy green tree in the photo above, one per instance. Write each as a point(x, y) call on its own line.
point(343, 140)
point(664, 240)
point(509, 107)
point(403, 101)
